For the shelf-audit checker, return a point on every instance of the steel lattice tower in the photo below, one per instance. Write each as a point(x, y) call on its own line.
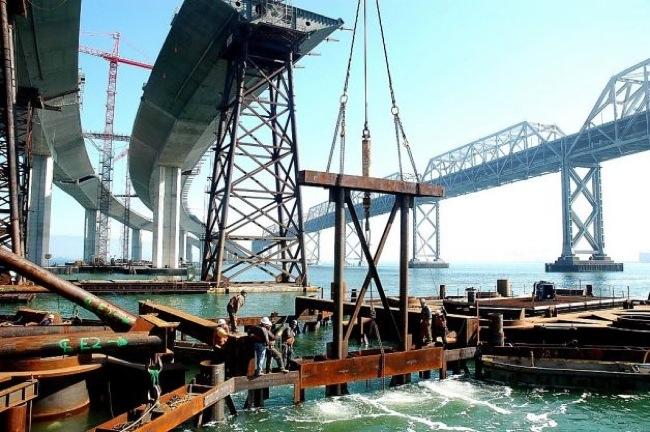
point(253, 195)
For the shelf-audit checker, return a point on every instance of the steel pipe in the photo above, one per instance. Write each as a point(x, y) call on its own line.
point(117, 318)
point(56, 345)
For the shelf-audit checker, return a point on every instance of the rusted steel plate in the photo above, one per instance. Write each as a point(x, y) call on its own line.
point(370, 184)
point(270, 380)
point(192, 325)
point(18, 394)
point(365, 367)
point(56, 345)
point(460, 354)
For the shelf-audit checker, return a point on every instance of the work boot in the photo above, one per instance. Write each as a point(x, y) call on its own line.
point(284, 370)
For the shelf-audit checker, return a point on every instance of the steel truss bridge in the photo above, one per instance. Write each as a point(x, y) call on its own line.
point(617, 126)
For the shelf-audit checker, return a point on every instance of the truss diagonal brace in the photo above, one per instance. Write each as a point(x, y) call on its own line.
point(372, 268)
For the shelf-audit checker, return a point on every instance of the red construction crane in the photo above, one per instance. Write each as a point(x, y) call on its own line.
point(106, 158)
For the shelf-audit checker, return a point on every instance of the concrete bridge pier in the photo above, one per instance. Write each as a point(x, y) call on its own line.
point(426, 235)
point(166, 218)
point(189, 244)
point(581, 188)
point(182, 245)
point(90, 233)
point(40, 207)
point(136, 245)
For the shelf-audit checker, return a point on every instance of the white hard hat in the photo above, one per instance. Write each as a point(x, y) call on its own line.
point(221, 322)
point(266, 321)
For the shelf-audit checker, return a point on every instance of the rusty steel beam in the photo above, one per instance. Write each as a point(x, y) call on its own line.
point(339, 344)
point(369, 184)
point(406, 203)
point(57, 345)
point(365, 367)
point(199, 328)
point(243, 383)
point(117, 318)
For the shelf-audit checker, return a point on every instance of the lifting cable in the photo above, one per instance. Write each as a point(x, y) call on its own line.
point(339, 130)
point(399, 127)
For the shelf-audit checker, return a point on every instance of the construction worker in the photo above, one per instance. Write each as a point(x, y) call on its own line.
point(222, 337)
point(425, 322)
point(288, 340)
point(440, 327)
point(222, 324)
point(234, 306)
point(264, 341)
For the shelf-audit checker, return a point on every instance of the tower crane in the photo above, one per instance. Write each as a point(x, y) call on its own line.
point(106, 155)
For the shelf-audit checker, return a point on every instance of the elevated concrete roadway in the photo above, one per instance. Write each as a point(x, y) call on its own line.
point(175, 123)
point(47, 58)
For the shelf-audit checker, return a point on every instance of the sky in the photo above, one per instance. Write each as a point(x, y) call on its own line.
point(462, 70)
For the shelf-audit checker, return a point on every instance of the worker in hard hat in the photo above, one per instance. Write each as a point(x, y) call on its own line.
point(234, 306)
point(288, 341)
point(222, 324)
point(264, 343)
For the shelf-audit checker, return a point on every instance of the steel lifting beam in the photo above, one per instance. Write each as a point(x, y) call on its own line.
point(253, 192)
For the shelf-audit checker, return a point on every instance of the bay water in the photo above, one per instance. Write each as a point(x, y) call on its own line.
point(459, 403)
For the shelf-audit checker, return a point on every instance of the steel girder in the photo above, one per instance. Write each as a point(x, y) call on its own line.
point(254, 197)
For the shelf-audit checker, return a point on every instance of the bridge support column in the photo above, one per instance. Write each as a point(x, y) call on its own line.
point(426, 235)
point(189, 255)
point(254, 200)
point(353, 252)
point(40, 207)
point(582, 222)
point(166, 218)
point(182, 245)
point(90, 235)
point(136, 245)
point(312, 247)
